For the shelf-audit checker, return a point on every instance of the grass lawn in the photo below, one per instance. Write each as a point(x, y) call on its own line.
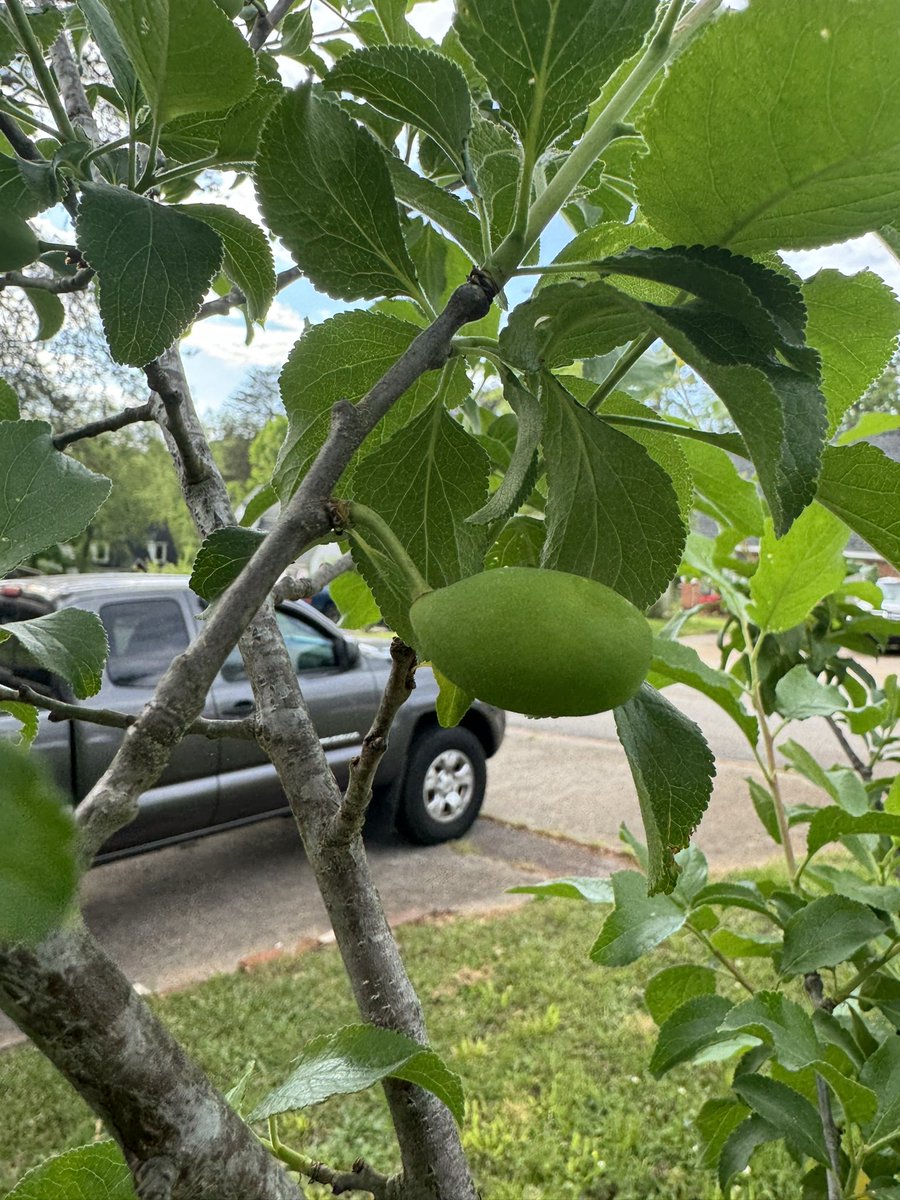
point(698, 623)
point(552, 1051)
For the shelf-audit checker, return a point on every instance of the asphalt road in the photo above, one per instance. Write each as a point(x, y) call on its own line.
point(557, 793)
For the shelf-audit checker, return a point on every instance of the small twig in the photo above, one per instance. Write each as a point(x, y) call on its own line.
point(265, 24)
point(234, 298)
point(864, 771)
point(61, 286)
point(812, 983)
point(301, 587)
point(59, 710)
point(361, 1178)
point(169, 393)
point(401, 682)
point(128, 416)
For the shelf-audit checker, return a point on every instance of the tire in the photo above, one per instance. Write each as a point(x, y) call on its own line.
point(444, 786)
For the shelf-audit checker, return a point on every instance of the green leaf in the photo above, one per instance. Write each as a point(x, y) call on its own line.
point(797, 570)
point(690, 1029)
point(664, 449)
point(357, 605)
point(25, 188)
point(853, 324)
point(519, 476)
point(827, 932)
point(103, 32)
point(612, 512)
point(231, 136)
point(594, 891)
point(546, 60)
point(424, 481)
point(841, 783)
point(154, 266)
point(881, 1074)
point(739, 1145)
point(324, 189)
point(392, 18)
point(221, 558)
point(779, 177)
point(93, 1172)
point(440, 206)
point(496, 159)
point(858, 1102)
point(715, 1121)
point(38, 871)
point(780, 1023)
point(260, 502)
point(341, 359)
point(799, 695)
point(247, 260)
point(49, 310)
point(518, 544)
point(833, 823)
point(452, 703)
point(9, 402)
point(778, 409)
point(418, 87)
point(354, 1058)
point(18, 242)
point(673, 770)
point(637, 924)
point(733, 895)
point(27, 716)
point(70, 643)
point(855, 887)
point(676, 662)
point(794, 1117)
point(441, 267)
point(45, 496)
point(672, 987)
point(187, 55)
point(861, 485)
point(729, 498)
point(869, 425)
point(745, 945)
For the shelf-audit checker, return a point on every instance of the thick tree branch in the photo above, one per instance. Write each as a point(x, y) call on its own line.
point(72, 90)
point(399, 687)
point(59, 285)
point(81, 1011)
point(128, 416)
point(302, 587)
point(224, 304)
point(59, 710)
point(170, 389)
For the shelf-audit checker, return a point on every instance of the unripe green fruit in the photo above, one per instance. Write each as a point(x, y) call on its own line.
point(18, 245)
point(539, 642)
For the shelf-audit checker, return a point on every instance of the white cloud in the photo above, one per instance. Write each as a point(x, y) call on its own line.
point(223, 338)
point(858, 254)
point(432, 19)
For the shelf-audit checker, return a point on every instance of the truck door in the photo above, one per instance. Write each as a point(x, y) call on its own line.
point(145, 634)
point(342, 698)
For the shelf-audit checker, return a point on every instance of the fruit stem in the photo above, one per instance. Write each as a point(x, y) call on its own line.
point(366, 520)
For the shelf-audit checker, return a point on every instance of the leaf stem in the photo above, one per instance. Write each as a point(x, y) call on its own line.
point(23, 115)
point(365, 519)
point(726, 962)
point(147, 178)
point(863, 974)
point(42, 74)
point(620, 369)
point(606, 126)
point(106, 148)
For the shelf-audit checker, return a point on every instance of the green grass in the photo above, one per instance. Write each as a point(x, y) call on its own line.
point(699, 623)
point(552, 1051)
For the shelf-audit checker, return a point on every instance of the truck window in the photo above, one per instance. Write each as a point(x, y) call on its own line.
point(144, 637)
point(309, 648)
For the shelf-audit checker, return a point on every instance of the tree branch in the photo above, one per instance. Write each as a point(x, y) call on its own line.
point(862, 769)
point(80, 1010)
point(399, 687)
point(224, 304)
point(302, 587)
point(169, 389)
point(72, 89)
point(59, 710)
point(263, 26)
point(128, 416)
point(59, 285)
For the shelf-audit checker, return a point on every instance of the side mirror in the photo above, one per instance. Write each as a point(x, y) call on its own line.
point(348, 652)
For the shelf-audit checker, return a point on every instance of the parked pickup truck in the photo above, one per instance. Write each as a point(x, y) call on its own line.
point(434, 778)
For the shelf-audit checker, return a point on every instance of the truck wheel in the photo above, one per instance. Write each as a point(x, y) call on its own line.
point(444, 786)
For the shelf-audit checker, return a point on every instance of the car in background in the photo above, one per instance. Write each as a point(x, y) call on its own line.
point(890, 606)
point(431, 779)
